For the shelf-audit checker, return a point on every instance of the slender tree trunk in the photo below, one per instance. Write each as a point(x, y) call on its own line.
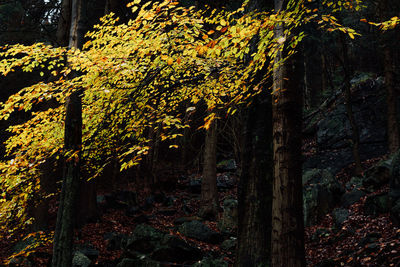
point(255, 186)
point(63, 236)
point(287, 204)
point(209, 194)
point(355, 135)
point(391, 98)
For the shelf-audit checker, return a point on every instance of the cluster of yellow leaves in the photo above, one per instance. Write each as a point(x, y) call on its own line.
point(385, 25)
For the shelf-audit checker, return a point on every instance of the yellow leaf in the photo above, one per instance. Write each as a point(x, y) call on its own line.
point(170, 61)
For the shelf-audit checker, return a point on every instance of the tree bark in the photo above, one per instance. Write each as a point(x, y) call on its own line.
point(64, 232)
point(391, 99)
point(209, 194)
point(255, 186)
point(64, 23)
point(355, 135)
point(287, 239)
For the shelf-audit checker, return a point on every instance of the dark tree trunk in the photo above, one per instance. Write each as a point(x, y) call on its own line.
point(255, 186)
point(287, 236)
point(63, 236)
point(355, 135)
point(209, 194)
point(64, 23)
point(391, 98)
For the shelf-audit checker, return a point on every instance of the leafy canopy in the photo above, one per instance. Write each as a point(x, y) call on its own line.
point(133, 78)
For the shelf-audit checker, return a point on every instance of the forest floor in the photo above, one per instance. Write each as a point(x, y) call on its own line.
point(362, 240)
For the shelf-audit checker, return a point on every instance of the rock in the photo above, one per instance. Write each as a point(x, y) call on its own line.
point(144, 239)
point(169, 201)
point(148, 203)
point(354, 183)
point(377, 176)
point(340, 216)
point(195, 185)
point(209, 262)
point(229, 244)
point(100, 199)
point(199, 231)
point(187, 210)
point(89, 251)
point(369, 238)
point(132, 211)
point(121, 199)
point(333, 132)
point(225, 182)
point(80, 260)
point(351, 197)
point(377, 204)
point(115, 241)
point(229, 220)
point(174, 249)
point(138, 263)
point(228, 165)
point(395, 212)
point(19, 262)
point(373, 247)
point(321, 192)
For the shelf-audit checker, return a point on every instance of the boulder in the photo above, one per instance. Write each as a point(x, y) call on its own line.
point(229, 221)
point(229, 244)
point(332, 130)
point(340, 216)
point(228, 165)
point(115, 241)
point(200, 231)
point(174, 249)
point(80, 260)
point(377, 176)
point(225, 181)
point(354, 183)
point(88, 250)
point(351, 197)
point(321, 191)
point(377, 204)
point(144, 239)
point(395, 212)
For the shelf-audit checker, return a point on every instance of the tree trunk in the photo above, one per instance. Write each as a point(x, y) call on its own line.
point(64, 23)
point(63, 236)
point(209, 194)
point(287, 239)
point(355, 136)
point(391, 98)
point(255, 186)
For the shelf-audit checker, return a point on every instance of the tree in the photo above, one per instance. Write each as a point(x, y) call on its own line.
point(64, 232)
point(209, 193)
point(287, 204)
point(255, 186)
